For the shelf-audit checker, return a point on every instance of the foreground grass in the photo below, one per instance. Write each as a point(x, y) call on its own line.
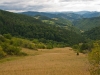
point(58, 61)
point(10, 58)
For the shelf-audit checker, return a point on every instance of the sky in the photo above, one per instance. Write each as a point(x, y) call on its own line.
point(50, 5)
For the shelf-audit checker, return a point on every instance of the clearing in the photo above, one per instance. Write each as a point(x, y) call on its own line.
point(57, 61)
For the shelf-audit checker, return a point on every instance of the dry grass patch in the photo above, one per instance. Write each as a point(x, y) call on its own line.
point(57, 61)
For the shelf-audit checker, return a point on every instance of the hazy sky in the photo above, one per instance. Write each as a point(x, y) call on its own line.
point(50, 5)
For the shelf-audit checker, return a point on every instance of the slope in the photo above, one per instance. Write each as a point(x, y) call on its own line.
point(87, 23)
point(28, 27)
point(91, 14)
point(93, 34)
point(61, 22)
point(66, 15)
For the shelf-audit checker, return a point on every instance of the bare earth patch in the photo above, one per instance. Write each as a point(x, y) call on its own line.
point(57, 61)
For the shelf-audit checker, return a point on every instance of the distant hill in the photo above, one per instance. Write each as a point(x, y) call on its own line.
point(40, 17)
point(91, 14)
point(61, 22)
point(54, 21)
point(81, 12)
point(87, 23)
point(28, 27)
point(94, 33)
point(66, 15)
point(88, 14)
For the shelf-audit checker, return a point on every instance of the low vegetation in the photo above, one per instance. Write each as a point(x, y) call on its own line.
point(93, 50)
point(7, 48)
point(94, 59)
point(12, 45)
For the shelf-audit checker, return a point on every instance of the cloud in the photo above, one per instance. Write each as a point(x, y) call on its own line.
point(74, 0)
point(50, 5)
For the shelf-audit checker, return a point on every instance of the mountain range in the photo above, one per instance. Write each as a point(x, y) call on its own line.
point(67, 15)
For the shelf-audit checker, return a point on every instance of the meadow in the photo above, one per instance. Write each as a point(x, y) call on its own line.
point(57, 61)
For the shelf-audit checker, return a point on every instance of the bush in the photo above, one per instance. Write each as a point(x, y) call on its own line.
point(35, 41)
point(10, 50)
point(31, 46)
point(84, 46)
point(2, 38)
point(17, 41)
point(27, 44)
point(23, 43)
point(49, 46)
point(76, 46)
point(2, 53)
point(94, 59)
point(40, 46)
point(8, 36)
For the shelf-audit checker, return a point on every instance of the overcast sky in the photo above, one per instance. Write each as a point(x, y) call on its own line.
point(50, 5)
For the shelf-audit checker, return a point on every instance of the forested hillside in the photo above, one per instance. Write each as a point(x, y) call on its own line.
point(87, 23)
point(94, 33)
point(83, 20)
point(61, 22)
point(66, 15)
point(54, 21)
point(91, 14)
point(28, 27)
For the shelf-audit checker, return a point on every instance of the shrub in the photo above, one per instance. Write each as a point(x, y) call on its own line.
point(17, 42)
point(2, 38)
point(40, 46)
point(94, 59)
point(76, 46)
point(31, 46)
point(35, 41)
point(8, 36)
point(2, 53)
point(49, 46)
point(10, 50)
point(84, 46)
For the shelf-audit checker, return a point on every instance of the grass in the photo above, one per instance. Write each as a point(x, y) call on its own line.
point(10, 58)
point(57, 61)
